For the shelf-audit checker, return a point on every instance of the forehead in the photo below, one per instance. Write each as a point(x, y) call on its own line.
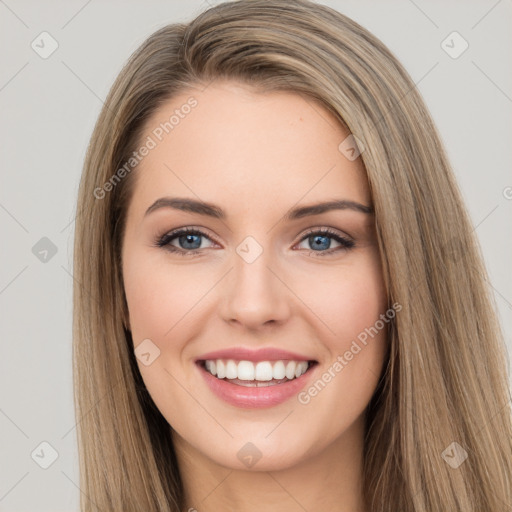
point(230, 144)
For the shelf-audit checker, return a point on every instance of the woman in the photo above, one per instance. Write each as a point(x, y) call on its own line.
point(330, 343)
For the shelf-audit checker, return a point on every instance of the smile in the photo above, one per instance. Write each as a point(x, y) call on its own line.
point(249, 384)
point(262, 373)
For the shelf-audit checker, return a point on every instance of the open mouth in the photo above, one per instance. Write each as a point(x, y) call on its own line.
point(256, 374)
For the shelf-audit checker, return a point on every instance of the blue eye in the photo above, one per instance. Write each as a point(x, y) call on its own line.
point(319, 240)
point(189, 242)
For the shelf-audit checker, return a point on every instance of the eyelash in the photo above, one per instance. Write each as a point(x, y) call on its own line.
point(164, 241)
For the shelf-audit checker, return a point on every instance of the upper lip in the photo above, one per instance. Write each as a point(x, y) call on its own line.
point(245, 354)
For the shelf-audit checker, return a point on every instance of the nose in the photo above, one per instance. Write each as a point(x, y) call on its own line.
point(254, 295)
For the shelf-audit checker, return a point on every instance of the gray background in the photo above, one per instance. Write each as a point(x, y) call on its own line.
point(48, 110)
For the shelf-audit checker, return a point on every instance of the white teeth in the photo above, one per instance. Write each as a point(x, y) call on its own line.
point(278, 371)
point(211, 367)
point(290, 370)
point(221, 369)
point(263, 371)
point(245, 370)
point(231, 369)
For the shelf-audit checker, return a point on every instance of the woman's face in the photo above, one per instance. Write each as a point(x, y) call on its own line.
point(254, 276)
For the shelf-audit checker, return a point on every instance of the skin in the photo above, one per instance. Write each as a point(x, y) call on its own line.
point(256, 155)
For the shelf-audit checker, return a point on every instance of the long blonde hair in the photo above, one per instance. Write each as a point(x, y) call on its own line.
point(445, 379)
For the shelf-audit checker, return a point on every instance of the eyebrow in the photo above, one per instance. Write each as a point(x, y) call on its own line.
point(211, 210)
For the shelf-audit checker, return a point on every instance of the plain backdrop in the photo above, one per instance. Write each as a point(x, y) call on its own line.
point(48, 109)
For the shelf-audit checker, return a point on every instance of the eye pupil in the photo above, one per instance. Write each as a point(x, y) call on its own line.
point(318, 243)
point(189, 239)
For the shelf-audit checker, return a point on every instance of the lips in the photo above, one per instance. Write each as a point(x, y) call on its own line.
point(263, 389)
point(263, 354)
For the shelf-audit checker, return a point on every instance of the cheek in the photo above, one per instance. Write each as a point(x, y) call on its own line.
point(161, 305)
point(347, 300)
point(160, 298)
point(351, 306)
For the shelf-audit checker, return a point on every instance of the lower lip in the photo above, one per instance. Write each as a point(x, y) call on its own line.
point(254, 397)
